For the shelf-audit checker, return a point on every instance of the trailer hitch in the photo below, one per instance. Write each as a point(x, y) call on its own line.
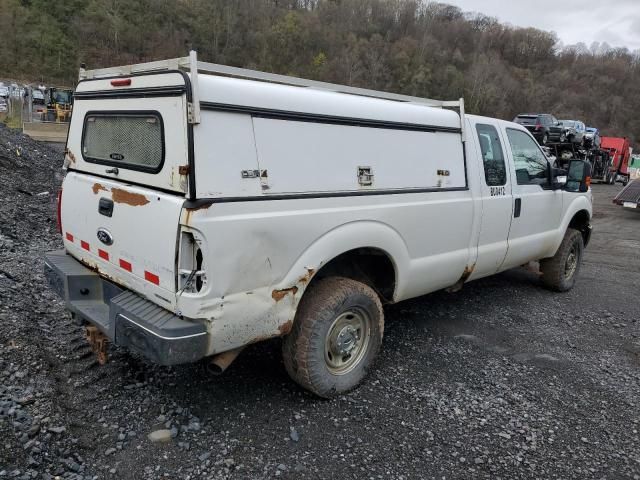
point(98, 342)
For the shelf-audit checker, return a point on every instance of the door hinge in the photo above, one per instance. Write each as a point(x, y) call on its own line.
point(183, 169)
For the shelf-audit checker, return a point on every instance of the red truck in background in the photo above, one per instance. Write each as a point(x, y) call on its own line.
point(620, 152)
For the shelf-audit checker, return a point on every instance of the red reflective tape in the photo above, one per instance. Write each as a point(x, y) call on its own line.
point(125, 265)
point(85, 245)
point(150, 277)
point(69, 237)
point(103, 254)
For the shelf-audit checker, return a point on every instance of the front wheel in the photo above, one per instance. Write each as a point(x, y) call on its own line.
point(559, 272)
point(335, 338)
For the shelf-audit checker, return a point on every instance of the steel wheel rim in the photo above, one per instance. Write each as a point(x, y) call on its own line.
point(571, 264)
point(347, 341)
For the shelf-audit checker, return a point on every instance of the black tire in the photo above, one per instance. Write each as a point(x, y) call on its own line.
point(308, 351)
point(545, 139)
point(559, 272)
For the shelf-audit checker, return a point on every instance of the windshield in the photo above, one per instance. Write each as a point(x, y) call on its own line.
point(62, 97)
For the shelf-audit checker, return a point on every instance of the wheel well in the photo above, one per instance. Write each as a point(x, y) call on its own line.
point(371, 266)
point(580, 222)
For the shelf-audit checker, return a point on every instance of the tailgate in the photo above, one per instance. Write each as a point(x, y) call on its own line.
point(127, 233)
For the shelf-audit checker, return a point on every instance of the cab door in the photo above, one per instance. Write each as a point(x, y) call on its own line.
point(537, 209)
point(496, 196)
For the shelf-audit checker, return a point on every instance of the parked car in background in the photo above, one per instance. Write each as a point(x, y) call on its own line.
point(3, 105)
point(14, 90)
point(574, 131)
point(38, 96)
point(544, 127)
point(592, 137)
point(4, 91)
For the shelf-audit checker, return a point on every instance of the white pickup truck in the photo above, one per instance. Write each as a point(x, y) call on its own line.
point(206, 208)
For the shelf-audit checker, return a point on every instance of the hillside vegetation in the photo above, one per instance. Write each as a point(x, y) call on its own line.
point(408, 46)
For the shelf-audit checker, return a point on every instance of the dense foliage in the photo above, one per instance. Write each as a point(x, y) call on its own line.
point(409, 46)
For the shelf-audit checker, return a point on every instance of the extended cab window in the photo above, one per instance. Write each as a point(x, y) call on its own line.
point(495, 171)
point(133, 140)
point(532, 167)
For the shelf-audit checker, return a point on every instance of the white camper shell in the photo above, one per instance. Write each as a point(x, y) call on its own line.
point(208, 207)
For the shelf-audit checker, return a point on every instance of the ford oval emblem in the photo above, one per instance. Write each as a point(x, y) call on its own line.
point(105, 236)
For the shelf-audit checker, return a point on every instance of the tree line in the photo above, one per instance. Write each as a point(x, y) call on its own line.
point(415, 47)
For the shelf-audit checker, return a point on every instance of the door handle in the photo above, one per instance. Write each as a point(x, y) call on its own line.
point(517, 208)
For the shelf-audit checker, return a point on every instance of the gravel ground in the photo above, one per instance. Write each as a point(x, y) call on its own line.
point(501, 380)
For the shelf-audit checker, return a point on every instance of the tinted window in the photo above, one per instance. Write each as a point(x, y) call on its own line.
point(495, 171)
point(532, 167)
point(526, 119)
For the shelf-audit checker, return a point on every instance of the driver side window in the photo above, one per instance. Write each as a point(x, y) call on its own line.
point(532, 167)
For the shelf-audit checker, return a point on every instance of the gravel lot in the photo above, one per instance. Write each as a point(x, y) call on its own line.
point(501, 380)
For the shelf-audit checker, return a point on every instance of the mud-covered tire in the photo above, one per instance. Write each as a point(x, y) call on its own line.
point(307, 351)
point(559, 272)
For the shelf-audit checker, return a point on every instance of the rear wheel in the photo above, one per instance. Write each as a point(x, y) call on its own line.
point(335, 338)
point(559, 272)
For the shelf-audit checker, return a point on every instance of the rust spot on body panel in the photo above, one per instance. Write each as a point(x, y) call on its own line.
point(128, 198)
point(306, 278)
point(69, 154)
point(468, 270)
point(97, 187)
point(202, 206)
point(278, 295)
point(285, 327)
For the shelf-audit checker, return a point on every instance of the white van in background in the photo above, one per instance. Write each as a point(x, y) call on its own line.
point(207, 207)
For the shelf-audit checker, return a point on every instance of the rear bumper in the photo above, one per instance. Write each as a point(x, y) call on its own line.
point(127, 319)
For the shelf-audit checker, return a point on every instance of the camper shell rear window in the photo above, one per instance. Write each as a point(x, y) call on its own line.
point(126, 139)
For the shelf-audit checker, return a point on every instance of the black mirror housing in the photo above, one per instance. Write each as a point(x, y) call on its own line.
point(578, 176)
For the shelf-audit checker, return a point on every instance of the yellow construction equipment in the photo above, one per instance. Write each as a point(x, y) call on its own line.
point(59, 105)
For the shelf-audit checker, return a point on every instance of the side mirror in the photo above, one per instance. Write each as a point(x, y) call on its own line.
point(579, 176)
point(558, 178)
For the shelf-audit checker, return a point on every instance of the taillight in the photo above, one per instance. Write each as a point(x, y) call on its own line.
point(192, 276)
point(58, 211)
point(587, 182)
point(538, 126)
